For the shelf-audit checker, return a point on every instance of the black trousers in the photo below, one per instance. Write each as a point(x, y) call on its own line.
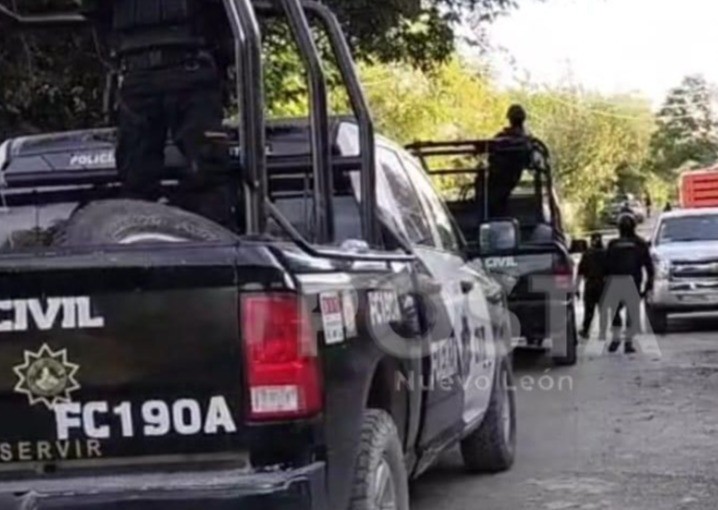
point(591, 301)
point(185, 104)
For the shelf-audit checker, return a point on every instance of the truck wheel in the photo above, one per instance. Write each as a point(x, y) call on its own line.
point(491, 447)
point(571, 340)
point(380, 479)
point(134, 222)
point(658, 320)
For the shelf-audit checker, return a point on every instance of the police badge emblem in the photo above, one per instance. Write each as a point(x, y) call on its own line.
point(46, 377)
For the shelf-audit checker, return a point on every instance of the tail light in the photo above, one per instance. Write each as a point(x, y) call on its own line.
point(563, 276)
point(281, 358)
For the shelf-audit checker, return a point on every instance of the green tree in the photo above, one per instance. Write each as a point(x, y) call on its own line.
point(597, 142)
point(52, 80)
point(419, 32)
point(686, 130)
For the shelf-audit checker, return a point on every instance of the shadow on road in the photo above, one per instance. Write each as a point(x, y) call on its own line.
point(531, 359)
point(702, 323)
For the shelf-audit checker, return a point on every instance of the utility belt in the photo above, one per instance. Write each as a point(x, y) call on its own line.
point(163, 58)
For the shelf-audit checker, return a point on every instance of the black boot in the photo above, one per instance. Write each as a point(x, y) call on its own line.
point(615, 344)
point(629, 348)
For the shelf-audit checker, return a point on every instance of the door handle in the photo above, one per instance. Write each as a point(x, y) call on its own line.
point(467, 286)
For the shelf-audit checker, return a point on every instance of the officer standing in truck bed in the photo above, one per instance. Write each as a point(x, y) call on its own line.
point(508, 159)
point(170, 82)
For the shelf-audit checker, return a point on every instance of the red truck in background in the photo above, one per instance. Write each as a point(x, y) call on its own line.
point(699, 188)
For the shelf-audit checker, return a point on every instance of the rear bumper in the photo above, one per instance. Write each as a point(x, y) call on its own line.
point(301, 489)
point(534, 318)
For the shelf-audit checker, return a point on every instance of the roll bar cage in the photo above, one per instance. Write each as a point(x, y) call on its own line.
point(541, 166)
point(424, 151)
point(243, 17)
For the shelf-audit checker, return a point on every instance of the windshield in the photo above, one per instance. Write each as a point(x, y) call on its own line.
point(689, 229)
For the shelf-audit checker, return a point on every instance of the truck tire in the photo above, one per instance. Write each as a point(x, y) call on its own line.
point(658, 319)
point(491, 448)
point(571, 340)
point(134, 222)
point(380, 477)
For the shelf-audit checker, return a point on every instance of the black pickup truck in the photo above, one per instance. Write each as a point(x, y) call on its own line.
point(320, 359)
point(536, 270)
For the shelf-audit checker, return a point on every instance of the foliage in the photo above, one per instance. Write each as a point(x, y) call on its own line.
point(48, 82)
point(599, 144)
point(599, 147)
point(687, 129)
point(417, 91)
point(43, 92)
point(52, 80)
point(414, 31)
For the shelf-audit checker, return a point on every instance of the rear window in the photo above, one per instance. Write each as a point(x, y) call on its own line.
point(31, 219)
point(300, 213)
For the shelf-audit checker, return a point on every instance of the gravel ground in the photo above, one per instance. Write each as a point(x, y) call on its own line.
point(614, 432)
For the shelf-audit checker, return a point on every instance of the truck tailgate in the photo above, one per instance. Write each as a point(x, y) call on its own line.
point(524, 273)
point(120, 358)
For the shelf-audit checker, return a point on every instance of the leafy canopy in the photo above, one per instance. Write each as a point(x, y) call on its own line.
point(53, 81)
point(687, 128)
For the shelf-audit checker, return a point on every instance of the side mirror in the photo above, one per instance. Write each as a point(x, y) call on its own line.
point(578, 246)
point(498, 236)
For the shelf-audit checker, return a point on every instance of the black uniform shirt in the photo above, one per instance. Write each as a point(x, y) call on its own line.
point(629, 256)
point(593, 266)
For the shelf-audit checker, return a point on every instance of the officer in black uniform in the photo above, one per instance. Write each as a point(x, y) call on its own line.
point(171, 58)
point(592, 270)
point(508, 158)
point(628, 256)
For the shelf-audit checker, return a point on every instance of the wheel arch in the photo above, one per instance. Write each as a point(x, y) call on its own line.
point(388, 391)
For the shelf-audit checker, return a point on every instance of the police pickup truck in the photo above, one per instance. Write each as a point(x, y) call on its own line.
point(319, 359)
point(149, 356)
point(536, 269)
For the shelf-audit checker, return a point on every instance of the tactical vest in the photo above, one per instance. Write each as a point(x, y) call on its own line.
point(625, 257)
point(142, 25)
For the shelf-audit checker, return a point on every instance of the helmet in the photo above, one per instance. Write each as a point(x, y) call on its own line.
point(627, 224)
point(516, 115)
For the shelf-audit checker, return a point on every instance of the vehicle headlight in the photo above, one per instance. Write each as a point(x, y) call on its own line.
point(662, 266)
